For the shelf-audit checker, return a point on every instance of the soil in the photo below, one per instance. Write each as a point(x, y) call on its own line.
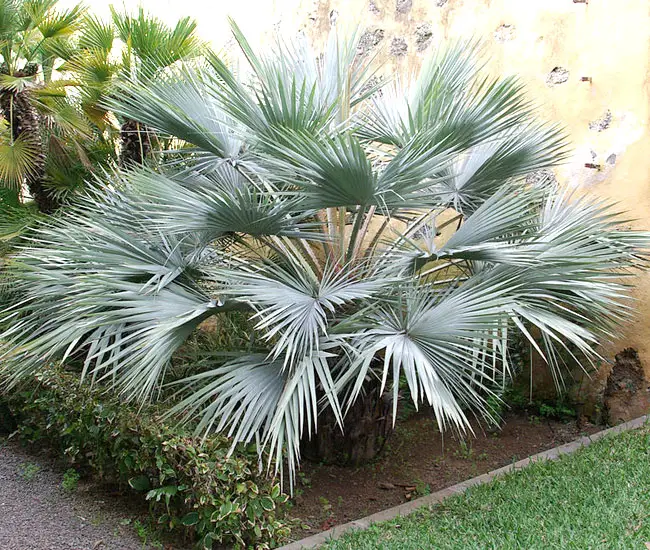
point(417, 460)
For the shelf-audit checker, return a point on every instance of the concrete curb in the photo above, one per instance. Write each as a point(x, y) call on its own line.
point(434, 498)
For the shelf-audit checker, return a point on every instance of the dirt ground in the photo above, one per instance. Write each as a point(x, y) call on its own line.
point(418, 460)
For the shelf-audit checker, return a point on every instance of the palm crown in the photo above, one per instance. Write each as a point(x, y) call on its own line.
point(370, 234)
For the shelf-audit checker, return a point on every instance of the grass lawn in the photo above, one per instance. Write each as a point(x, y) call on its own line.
point(598, 497)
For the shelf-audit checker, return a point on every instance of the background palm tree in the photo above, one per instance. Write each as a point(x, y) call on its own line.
point(31, 34)
point(150, 46)
point(369, 238)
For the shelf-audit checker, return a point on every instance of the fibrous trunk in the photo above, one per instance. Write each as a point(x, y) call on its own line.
point(367, 426)
point(136, 142)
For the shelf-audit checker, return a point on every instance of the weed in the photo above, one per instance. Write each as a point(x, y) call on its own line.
point(148, 536)
point(559, 410)
point(97, 519)
point(29, 471)
point(422, 488)
point(534, 420)
point(71, 480)
point(325, 504)
point(304, 480)
point(464, 450)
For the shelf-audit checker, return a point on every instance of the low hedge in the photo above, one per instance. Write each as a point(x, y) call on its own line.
point(192, 485)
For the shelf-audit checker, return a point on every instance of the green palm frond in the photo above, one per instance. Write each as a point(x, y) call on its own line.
point(150, 44)
point(57, 24)
point(293, 89)
point(54, 49)
point(483, 169)
point(9, 19)
point(96, 35)
point(214, 205)
point(16, 84)
point(333, 171)
point(17, 161)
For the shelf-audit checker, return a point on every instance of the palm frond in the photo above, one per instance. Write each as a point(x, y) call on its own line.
point(182, 105)
point(96, 35)
point(333, 171)
point(480, 171)
point(211, 206)
point(254, 398)
point(17, 161)
point(293, 302)
point(58, 24)
point(443, 343)
point(151, 44)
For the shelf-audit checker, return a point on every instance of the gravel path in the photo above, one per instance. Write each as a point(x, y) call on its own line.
point(36, 513)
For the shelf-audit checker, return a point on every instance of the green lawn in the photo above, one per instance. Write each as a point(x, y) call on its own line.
point(598, 497)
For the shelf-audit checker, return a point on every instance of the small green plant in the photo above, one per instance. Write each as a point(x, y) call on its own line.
point(325, 504)
point(147, 534)
point(534, 420)
point(304, 480)
point(559, 411)
point(70, 480)
point(29, 471)
point(464, 450)
point(422, 488)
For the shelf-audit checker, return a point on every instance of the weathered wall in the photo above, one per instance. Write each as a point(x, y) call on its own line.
point(607, 40)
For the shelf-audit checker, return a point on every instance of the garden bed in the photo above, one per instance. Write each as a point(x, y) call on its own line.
point(417, 460)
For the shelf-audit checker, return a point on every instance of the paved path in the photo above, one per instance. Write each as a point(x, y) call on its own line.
point(36, 513)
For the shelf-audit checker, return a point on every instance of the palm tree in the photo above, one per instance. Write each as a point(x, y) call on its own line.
point(370, 238)
point(32, 32)
point(150, 46)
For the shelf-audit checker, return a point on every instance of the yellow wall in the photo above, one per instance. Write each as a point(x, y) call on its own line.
point(607, 40)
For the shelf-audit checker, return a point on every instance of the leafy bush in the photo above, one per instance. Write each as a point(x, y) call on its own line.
point(192, 486)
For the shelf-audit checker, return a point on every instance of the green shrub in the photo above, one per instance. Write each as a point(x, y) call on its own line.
point(191, 485)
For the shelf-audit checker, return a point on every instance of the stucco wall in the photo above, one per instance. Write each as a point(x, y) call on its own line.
point(607, 40)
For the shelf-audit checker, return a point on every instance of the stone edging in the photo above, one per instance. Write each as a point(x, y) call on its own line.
point(434, 498)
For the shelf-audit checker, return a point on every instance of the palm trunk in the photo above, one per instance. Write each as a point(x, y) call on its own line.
point(367, 427)
point(136, 142)
point(18, 110)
